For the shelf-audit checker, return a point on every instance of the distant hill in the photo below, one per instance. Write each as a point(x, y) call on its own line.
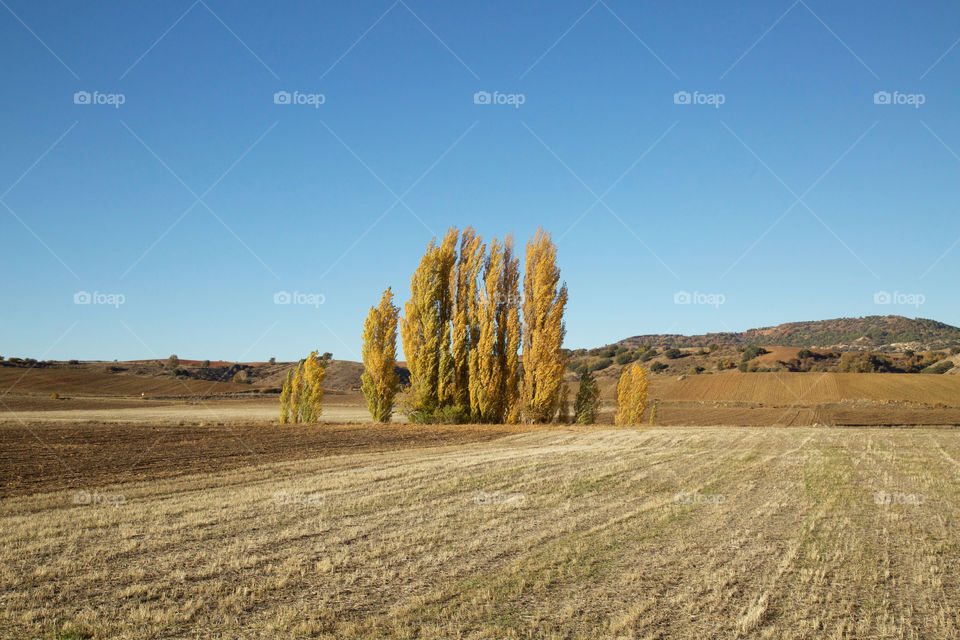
point(878, 333)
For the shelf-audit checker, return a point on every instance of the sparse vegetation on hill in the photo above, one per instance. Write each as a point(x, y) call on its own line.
point(879, 333)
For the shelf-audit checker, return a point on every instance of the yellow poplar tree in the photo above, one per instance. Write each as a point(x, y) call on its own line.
point(379, 377)
point(631, 395)
point(494, 363)
point(296, 385)
point(510, 317)
point(544, 302)
point(301, 399)
point(311, 394)
point(446, 275)
point(285, 398)
point(425, 328)
point(466, 330)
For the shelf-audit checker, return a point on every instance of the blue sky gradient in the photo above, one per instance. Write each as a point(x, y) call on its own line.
point(199, 198)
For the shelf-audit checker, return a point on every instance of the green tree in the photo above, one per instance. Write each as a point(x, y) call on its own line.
point(586, 406)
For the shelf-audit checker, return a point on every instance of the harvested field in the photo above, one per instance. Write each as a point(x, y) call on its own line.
point(45, 457)
point(574, 533)
point(784, 388)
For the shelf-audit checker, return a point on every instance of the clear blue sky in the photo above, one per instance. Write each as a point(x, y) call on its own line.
point(199, 198)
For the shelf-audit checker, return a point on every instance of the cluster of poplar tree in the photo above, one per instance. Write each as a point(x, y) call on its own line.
point(301, 399)
point(462, 331)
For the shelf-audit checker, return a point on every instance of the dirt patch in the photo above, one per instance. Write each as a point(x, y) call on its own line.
point(46, 457)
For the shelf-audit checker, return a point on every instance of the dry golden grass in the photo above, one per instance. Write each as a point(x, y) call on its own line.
point(574, 533)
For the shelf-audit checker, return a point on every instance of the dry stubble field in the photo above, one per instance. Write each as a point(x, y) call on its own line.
point(560, 533)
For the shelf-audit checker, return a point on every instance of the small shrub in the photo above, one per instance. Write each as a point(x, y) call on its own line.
point(673, 353)
point(601, 364)
point(449, 414)
point(657, 367)
point(54, 396)
point(173, 362)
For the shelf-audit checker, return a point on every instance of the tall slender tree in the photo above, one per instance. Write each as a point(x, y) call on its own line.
point(587, 404)
point(631, 395)
point(465, 331)
point(379, 378)
point(544, 302)
point(285, 394)
point(494, 362)
point(425, 329)
point(301, 399)
point(311, 403)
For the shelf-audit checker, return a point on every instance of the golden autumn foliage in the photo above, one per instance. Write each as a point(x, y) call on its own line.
point(631, 395)
point(462, 332)
point(286, 398)
point(544, 302)
point(425, 328)
point(379, 378)
point(466, 329)
point(301, 399)
point(494, 362)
